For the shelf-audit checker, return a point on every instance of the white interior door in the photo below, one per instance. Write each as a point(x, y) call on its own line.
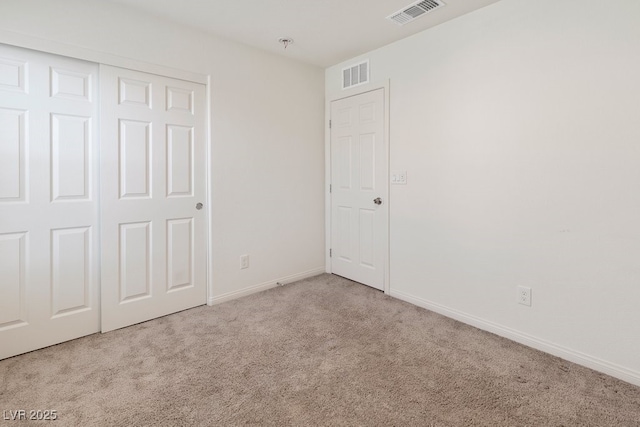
point(153, 175)
point(48, 200)
point(359, 185)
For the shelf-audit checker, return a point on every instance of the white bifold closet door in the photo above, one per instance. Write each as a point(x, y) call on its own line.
point(153, 186)
point(48, 200)
point(96, 235)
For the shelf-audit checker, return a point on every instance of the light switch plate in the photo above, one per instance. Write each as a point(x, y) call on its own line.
point(399, 178)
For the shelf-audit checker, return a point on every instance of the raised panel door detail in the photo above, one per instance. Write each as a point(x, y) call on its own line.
point(48, 205)
point(344, 233)
point(343, 118)
point(13, 163)
point(12, 280)
point(70, 270)
point(179, 253)
point(367, 113)
point(367, 162)
point(70, 84)
point(135, 261)
point(134, 92)
point(359, 214)
point(13, 75)
point(154, 246)
point(70, 154)
point(135, 159)
point(179, 160)
point(344, 162)
point(179, 99)
point(367, 237)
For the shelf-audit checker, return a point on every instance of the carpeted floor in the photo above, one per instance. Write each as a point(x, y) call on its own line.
point(323, 351)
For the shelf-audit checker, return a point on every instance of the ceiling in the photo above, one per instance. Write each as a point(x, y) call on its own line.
point(325, 32)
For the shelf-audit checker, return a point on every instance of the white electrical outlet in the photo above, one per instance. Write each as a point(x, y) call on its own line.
point(524, 295)
point(244, 261)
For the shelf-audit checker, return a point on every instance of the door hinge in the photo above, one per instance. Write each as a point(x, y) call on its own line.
point(330, 253)
point(329, 124)
point(330, 188)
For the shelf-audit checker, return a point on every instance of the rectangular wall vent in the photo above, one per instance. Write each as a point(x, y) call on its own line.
point(355, 75)
point(415, 10)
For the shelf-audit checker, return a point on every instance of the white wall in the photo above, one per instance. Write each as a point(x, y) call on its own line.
point(266, 119)
point(519, 127)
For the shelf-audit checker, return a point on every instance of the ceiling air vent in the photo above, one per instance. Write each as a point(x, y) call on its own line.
point(411, 12)
point(355, 75)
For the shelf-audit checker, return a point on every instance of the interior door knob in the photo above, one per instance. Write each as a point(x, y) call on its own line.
point(377, 201)
point(199, 206)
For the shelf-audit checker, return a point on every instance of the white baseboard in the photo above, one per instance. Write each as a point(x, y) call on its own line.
point(264, 286)
point(577, 357)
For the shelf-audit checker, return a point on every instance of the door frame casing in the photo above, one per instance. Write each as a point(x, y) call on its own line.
point(347, 93)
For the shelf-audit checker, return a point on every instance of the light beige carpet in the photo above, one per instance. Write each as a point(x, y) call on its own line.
point(323, 351)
